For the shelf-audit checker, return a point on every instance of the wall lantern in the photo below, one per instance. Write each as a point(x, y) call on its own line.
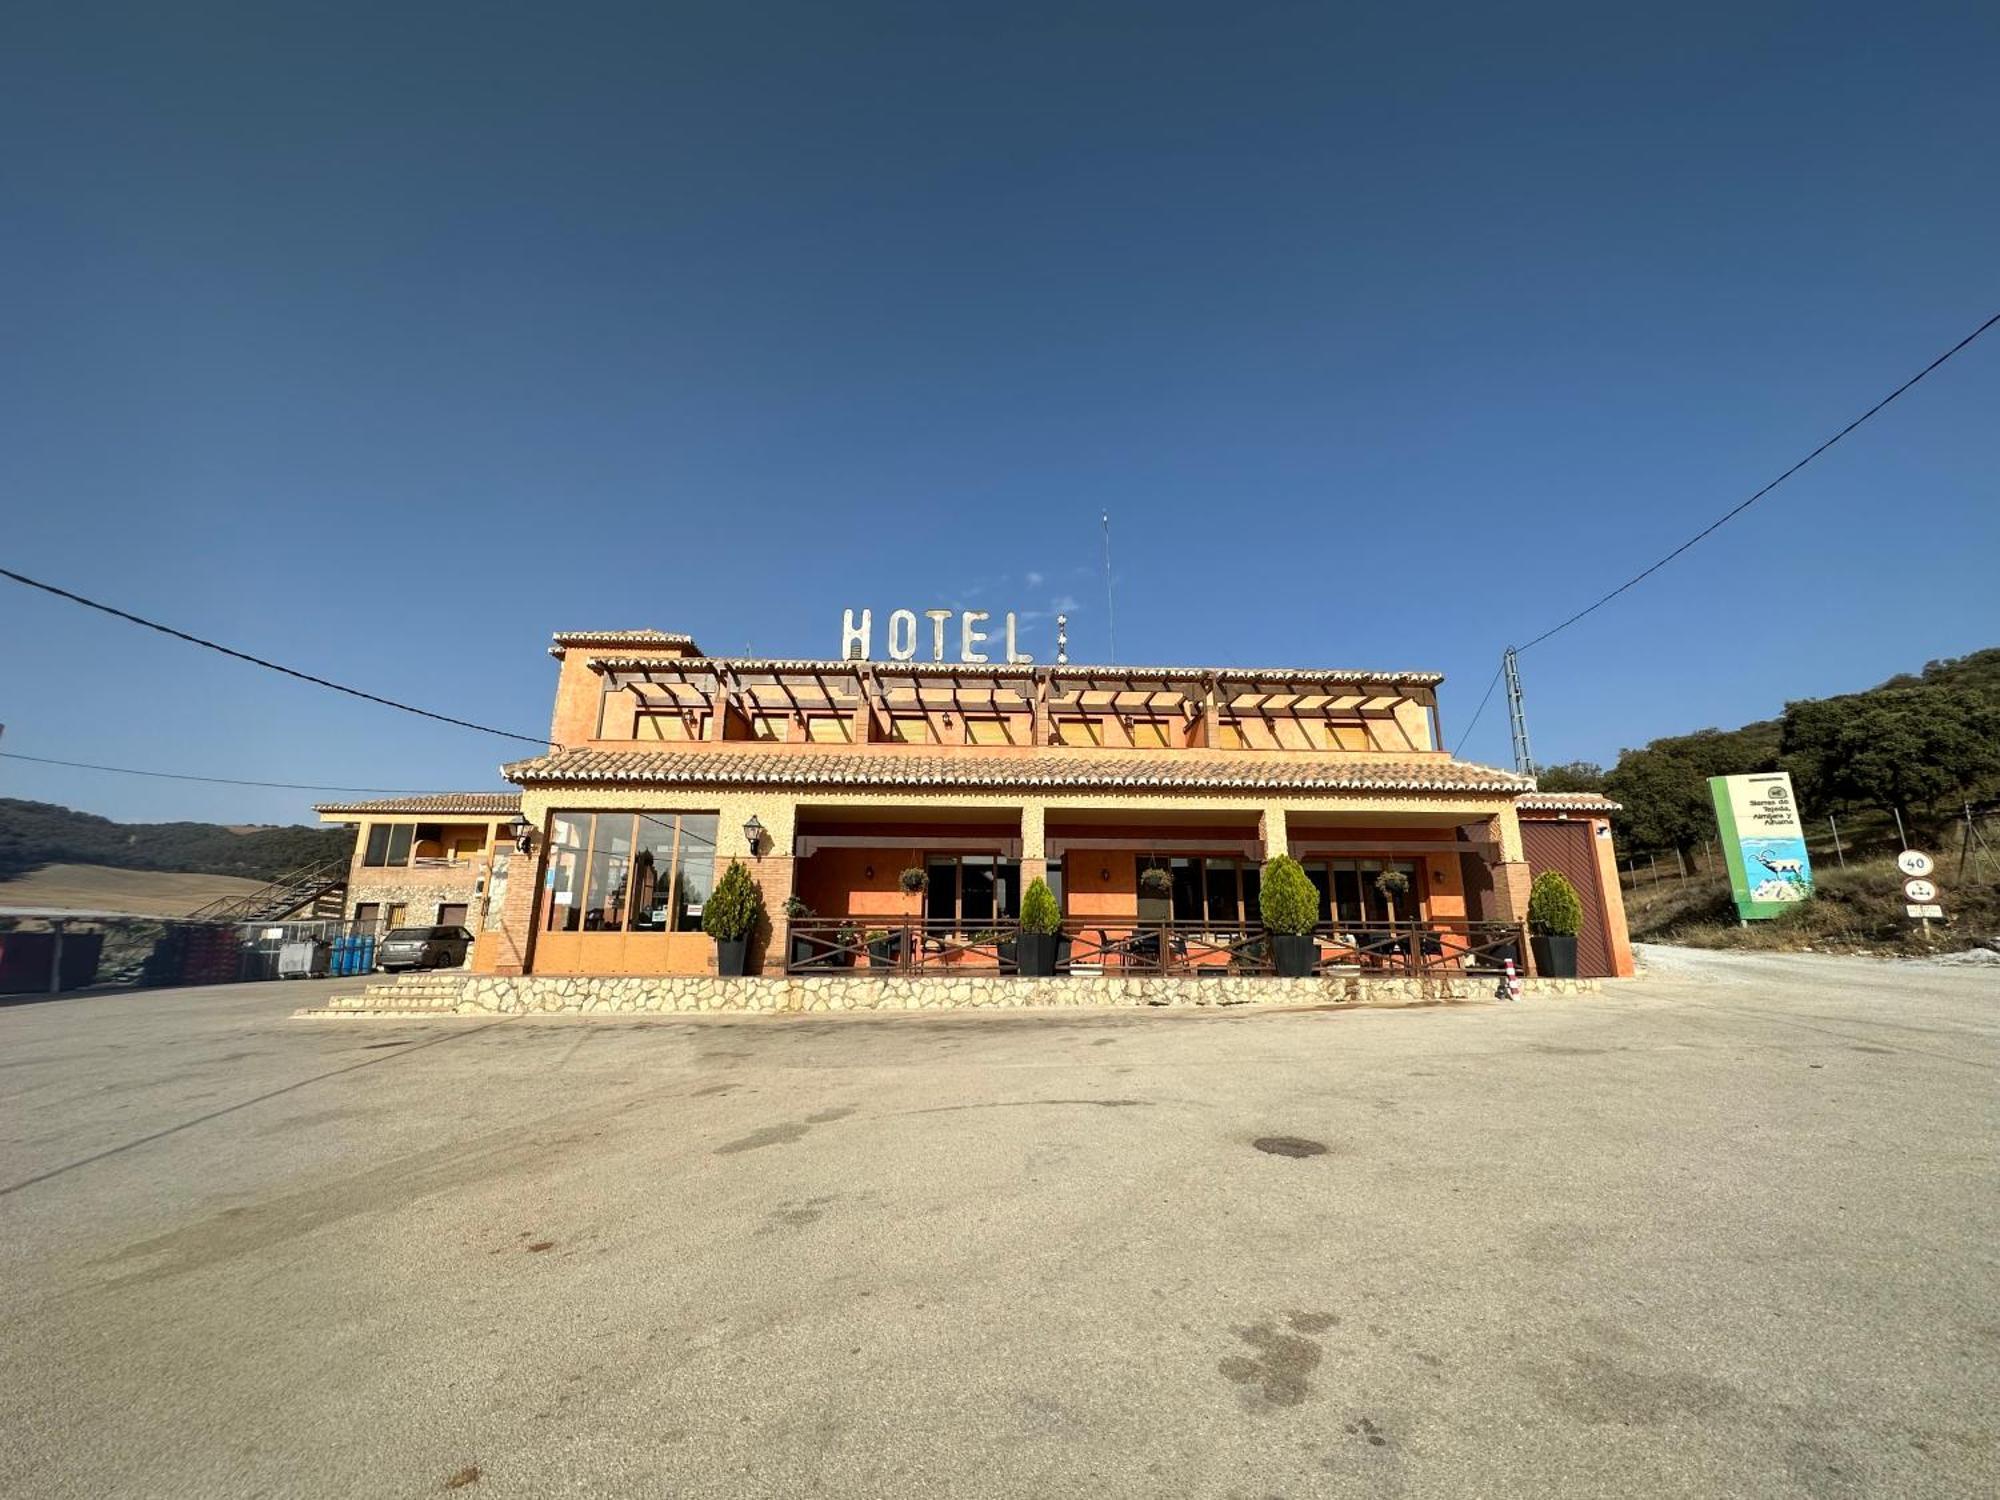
point(523, 834)
point(753, 835)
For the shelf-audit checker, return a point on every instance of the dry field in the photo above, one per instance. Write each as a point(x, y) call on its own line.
point(149, 893)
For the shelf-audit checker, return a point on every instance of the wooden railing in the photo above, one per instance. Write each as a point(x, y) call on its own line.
point(833, 945)
point(829, 945)
point(1124, 946)
point(1440, 947)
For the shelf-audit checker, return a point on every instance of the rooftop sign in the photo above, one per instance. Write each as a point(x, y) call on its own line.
point(905, 636)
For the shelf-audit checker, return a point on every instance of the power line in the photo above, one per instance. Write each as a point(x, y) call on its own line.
point(1738, 510)
point(1474, 722)
point(285, 786)
point(258, 661)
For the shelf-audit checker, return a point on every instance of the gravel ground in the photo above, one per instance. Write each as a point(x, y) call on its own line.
point(1727, 1230)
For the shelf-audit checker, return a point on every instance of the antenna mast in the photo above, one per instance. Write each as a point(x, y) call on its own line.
point(1110, 608)
point(1517, 714)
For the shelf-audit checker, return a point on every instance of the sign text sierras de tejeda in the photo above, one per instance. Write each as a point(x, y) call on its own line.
point(904, 635)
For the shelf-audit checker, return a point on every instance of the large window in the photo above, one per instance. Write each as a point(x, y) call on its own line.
point(388, 845)
point(1350, 891)
point(1214, 890)
point(972, 890)
point(614, 871)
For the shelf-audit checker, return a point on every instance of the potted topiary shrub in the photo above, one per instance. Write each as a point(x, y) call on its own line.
point(1156, 895)
point(1554, 915)
point(1041, 921)
point(731, 916)
point(1290, 904)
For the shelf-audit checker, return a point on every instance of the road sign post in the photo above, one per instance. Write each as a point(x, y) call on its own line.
point(1920, 894)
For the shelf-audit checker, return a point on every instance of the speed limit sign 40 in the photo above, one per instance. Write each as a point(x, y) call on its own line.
point(1914, 863)
point(1919, 891)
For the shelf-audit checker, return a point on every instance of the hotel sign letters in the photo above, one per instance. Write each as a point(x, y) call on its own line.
point(905, 635)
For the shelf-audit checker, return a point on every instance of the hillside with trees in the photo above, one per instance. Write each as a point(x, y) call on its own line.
point(1922, 745)
point(34, 834)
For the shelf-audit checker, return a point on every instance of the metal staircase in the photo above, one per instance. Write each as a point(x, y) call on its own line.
point(318, 892)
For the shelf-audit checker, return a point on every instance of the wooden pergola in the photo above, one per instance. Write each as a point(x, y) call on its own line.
point(1194, 705)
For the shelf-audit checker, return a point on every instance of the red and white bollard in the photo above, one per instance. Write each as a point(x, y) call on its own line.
point(1510, 987)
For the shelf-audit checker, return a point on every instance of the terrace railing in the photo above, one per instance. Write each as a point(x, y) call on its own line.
point(834, 945)
point(831, 945)
point(1420, 948)
point(1192, 948)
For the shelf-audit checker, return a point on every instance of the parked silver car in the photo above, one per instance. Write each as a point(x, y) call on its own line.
point(423, 948)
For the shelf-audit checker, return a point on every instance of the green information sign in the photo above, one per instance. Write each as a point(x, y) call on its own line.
point(1769, 871)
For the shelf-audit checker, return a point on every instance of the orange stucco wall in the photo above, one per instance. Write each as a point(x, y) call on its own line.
point(1097, 883)
point(1622, 965)
point(836, 883)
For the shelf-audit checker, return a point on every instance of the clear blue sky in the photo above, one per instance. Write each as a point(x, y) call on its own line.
point(386, 340)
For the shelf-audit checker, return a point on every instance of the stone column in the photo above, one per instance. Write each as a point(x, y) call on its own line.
point(1272, 830)
point(1034, 846)
point(772, 865)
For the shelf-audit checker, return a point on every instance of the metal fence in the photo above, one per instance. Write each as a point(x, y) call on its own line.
point(48, 955)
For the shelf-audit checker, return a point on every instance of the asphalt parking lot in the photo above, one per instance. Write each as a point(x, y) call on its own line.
point(1733, 1229)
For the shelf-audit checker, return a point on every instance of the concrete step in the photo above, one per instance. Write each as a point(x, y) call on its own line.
point(420, 993)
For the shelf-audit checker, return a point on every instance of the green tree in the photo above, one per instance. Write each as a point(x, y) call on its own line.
point(1664, 787)
point(1909, 748)
point(33, 834)
point(1571, 776)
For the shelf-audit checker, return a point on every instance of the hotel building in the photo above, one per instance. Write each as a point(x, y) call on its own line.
point(1147, 797)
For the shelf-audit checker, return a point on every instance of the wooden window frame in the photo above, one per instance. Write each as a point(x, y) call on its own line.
point(1371, 899)
point(586, 854)
point(1246, 871)
point(957, 862)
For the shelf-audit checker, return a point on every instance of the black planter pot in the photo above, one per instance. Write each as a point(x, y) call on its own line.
point(802, 954)
point(884, 952)
point(1555, 957)
point(1294, 956)
point(730, 956)
point(1037, 953)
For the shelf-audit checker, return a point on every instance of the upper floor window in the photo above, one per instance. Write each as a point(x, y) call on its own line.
point(388, 844)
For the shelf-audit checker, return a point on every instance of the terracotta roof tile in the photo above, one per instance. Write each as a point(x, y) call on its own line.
point(564, 639)
point(1595, 802)
point(481, 804)
point(1083, 770)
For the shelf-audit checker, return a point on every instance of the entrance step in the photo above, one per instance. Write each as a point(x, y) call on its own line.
point(420, 992)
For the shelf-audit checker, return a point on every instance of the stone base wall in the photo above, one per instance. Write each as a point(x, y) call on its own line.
point(422, 891)
point(503, 994)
